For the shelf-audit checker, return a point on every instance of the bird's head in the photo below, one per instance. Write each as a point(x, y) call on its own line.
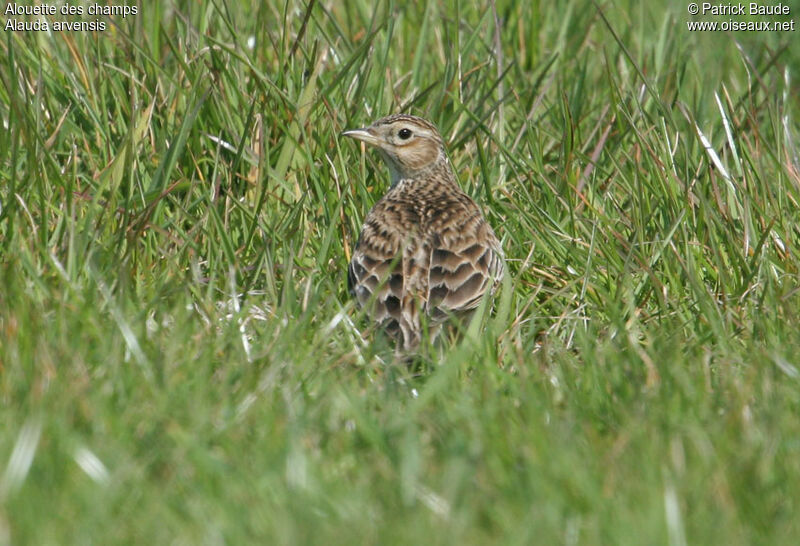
point(408, 144)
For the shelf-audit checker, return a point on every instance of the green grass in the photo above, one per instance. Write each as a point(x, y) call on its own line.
point(179, 359)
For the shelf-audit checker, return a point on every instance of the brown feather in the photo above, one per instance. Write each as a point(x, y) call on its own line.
point(424, 247)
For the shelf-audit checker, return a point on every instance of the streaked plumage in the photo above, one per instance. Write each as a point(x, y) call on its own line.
point(425, 246)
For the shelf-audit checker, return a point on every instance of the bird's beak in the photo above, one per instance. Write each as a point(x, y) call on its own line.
point(364, 135)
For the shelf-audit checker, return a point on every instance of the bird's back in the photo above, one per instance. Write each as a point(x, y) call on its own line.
point(425, 248)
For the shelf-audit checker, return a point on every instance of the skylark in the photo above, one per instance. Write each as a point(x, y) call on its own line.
point(424, 248)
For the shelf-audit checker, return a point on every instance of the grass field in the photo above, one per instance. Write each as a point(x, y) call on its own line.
point(180, 362)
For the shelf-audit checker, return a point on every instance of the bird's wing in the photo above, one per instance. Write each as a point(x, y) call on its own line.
point(375, 274)
point(466, 263)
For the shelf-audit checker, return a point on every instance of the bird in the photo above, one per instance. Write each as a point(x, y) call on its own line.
point(425, 251)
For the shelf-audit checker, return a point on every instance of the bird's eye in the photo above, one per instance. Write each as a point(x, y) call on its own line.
point(405, 134)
